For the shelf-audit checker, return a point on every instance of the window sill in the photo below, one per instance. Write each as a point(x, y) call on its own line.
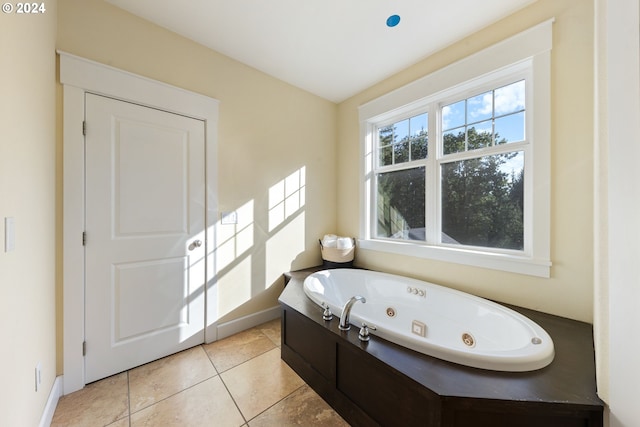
point(494, 261)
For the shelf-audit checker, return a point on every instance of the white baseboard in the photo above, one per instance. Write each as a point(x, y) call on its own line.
point(52, 403)
point(232, 327)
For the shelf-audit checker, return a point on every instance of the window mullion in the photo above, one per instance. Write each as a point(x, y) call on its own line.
point(486, 151)
point(432, 215)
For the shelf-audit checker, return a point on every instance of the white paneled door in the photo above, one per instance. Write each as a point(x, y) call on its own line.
point(145, 244)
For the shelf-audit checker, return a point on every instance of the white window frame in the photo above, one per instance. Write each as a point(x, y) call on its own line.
point(526, 55)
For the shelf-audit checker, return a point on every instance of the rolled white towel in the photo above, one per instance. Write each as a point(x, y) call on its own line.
point(344, 243)
point(330, 241)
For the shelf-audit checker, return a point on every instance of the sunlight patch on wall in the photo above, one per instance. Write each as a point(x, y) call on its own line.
point(235, 239)
point(283, 247)
point(249, 259)
point(235, 289)
point(286, 197)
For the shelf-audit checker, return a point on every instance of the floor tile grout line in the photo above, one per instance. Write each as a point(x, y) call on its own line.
point(128, 414)
point(209, 358)
point(174, 394)
point(248, 360)
point(179, 391)
point(234, 400)
point(129, 398)
point(274, 404)
point(218, 373)
point(246, 422)
point(245, 361)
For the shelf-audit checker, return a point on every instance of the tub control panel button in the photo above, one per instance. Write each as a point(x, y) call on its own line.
point(416, 291)
point(419, 328)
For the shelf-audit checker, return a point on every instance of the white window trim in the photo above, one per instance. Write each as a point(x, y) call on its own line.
point(530, 49)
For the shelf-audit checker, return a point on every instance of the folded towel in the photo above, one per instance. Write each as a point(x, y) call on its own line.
point(330, 241)
point(344, 243)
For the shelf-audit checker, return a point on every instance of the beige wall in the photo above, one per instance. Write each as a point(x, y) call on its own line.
point(617, 209)
point(268, 130)
point(569, 292)
point(27, 193)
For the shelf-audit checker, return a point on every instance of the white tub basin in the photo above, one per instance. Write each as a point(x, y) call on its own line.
point(434, 320)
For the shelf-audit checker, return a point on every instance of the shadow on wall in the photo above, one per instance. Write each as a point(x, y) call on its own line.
point(255, 244)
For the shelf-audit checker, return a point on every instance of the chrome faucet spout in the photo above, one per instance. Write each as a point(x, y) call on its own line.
point(346, 311)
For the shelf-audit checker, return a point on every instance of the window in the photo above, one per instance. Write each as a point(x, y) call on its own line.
point(482, 144)
point(456, 165)
point(482, 172)
point(400, 178)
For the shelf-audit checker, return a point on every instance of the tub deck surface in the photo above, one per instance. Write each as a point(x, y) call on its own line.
point(567, 385)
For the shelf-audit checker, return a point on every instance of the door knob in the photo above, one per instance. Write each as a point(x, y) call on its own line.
point(195, 244)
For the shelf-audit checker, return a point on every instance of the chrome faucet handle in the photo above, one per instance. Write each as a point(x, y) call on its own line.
point(363, 335)
point(326, 314)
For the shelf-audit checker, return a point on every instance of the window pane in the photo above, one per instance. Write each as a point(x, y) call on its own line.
point(480, 107)
point(385, 136)
point(403, 141)
point(483, 201)
point(401, 204)
point(386, 155)
point(510, 98)
point(418, 125)
point(453, 115)
point(419, 147)
point(385, 139)
point(480, 135)
point(401, 150)
point(510, 128)
point(419, 136)
point(401, 131)
point(454, 141)
point(493, 117)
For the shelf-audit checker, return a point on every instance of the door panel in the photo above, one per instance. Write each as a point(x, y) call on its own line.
point(156, 183)
point(145, 247)
point(134, 282)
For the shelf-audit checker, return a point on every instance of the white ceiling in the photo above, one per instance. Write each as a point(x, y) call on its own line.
point(332, 48)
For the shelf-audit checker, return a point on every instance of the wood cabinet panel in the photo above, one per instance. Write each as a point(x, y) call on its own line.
point(505, 419)
point(384, 394)
point(311, 343)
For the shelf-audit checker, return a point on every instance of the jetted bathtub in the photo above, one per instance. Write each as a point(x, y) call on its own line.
point(434, 320)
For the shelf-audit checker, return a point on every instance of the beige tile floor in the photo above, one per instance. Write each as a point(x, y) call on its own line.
point(237, 381)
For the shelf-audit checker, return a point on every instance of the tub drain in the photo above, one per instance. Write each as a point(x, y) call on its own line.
point(391, 312)
point(468, 340)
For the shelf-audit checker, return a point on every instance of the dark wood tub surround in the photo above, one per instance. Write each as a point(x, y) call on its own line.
point(381, 383)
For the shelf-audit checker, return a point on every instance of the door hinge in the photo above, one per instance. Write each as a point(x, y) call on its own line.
point(84, 127)
point(84, 348)
point(84, 238)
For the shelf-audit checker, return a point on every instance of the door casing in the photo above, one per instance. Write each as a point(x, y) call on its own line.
point(79, 76)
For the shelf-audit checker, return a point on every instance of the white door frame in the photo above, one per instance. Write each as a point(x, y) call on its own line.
point(78, 76)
